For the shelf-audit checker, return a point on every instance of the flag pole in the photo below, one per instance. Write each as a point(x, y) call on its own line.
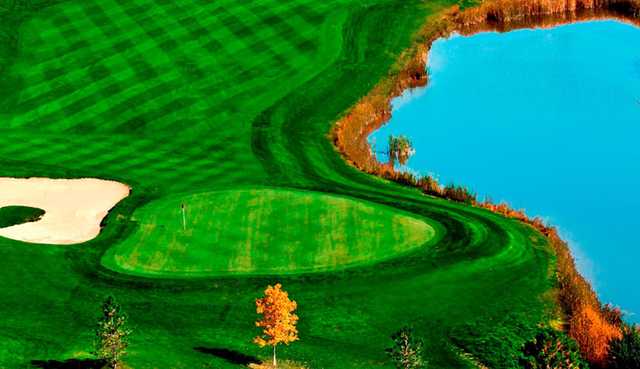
point(184, 217)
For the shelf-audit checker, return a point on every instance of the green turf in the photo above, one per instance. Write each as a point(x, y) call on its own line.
point(262, 231)
point(12, 215)
point(179, 98)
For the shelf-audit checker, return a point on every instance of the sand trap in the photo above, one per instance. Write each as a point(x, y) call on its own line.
point(73, 208)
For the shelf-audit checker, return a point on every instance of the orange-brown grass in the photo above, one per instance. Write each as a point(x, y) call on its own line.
point(525, 13)
point(593, 334)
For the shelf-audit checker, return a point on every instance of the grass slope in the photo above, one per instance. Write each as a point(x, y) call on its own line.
point(184, 97)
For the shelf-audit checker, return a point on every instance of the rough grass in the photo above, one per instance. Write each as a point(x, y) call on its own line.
point(183, 97)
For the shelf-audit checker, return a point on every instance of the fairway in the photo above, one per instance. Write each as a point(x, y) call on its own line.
point(262, 232)
point(226, 107)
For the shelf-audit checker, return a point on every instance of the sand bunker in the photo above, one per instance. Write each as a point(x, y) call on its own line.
point(73, 208)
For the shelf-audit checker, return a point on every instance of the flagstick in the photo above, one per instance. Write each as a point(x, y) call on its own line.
point(184, 218)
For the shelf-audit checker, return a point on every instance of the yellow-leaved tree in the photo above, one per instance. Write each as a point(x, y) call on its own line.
point(278, 321)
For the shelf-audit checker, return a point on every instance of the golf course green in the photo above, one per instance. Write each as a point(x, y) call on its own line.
point(225, 107)
point(262, 232)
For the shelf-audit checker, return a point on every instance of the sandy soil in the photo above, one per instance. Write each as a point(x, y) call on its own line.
point(73, 208)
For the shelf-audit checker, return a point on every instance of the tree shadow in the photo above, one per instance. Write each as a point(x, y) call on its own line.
point(68, 364)
point(231, 356)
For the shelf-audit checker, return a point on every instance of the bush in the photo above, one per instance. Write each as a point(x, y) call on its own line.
point(552, 349)
point(624, 352)
point(430, 186)
point(112, 334)
point(459, 193)
point(612, 314)
point(406, 351)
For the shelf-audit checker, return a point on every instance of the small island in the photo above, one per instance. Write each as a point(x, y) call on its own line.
point(13, 215)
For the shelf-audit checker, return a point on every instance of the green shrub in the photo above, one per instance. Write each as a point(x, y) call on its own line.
point(112, 334)
point(624, 353)
point(552, 349)
point(406, 351)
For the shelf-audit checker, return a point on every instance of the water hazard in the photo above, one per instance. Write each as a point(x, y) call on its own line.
point(547, 120)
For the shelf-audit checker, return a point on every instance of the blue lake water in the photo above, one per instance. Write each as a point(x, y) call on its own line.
point(549, 121)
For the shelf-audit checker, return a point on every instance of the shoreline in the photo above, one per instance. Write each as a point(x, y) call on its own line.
point(573, 294)
point(350, 133)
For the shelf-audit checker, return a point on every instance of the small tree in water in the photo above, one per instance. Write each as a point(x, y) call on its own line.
point(406, 352)
point(112, 334)
point(278, 321)
point(400, 149)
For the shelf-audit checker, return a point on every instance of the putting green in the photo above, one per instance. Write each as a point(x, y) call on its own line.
point(263, 231)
